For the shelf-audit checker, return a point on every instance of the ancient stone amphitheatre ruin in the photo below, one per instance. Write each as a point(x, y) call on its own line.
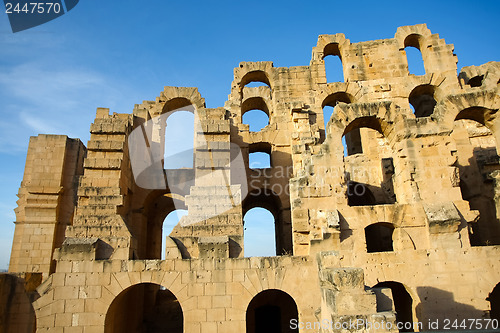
point(398, 231)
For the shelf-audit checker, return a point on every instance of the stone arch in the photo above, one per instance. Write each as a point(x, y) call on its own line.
point(261, 147)
point(332, 51)
point(348, 117)
point(377, 188)
point(414, 40)
point(255, 76)
point(255, 103)
point(423, 99)
point(379, 237)
point(176, 103)
point(170, 99)
point(418, 31)
point(157, 206)
point(488, 74)
point(246, 72)
point(475, 158)
point(259, 230)
point(417, 36)
point(378, 116)
point(266, 198)
point(161, 310)
point(336, 97)
point(414, 54)
point(485, 104)
point(372, 122)
point(189, 93)
point(404, 301)
point(328, 98)
point(322, 49)
point(271, 311)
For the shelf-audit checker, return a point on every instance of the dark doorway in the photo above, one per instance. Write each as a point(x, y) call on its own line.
point(270, 311)
point(379, 237)
point(145, 308)
point(402, 303)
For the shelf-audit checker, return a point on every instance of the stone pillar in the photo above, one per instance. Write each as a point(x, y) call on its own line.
point(47, 199)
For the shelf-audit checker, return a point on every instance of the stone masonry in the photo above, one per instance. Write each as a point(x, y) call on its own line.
point(388, 215)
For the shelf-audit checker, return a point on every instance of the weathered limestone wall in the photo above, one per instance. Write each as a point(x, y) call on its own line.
point(213, 294)
point(47, 199)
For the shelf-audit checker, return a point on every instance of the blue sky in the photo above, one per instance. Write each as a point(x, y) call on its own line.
point(118, 53)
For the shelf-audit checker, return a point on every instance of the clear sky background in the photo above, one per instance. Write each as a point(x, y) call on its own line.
point(118, 53)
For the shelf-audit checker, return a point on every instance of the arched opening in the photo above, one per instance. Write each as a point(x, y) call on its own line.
point(144, 307)
point(327, 114)
point(333, 63)
point(422, 100)
point(255, 119)
point(379, 237)
point(255, 113)
point(177, 104)
point(352, 142)
point(413, 50)
point(476, 81)
point(270, 311)
point(477, 158)
point(329, 104)
point(179, 141)
point(494, 299)
point(403, 303)
point(333, 69)
point(259, 233)
point(364, 135)
point(338, 97)
point(256, 84)
point(256, 78)
point(259, 156)
point(265, 198)
point(156, 226)
point(259, 160)
point(415, 61)
point(169, 223)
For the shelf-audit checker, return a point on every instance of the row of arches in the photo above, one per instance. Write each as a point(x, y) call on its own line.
point(149, 307)
point(179, 140)
point(477, 157)
point(264, 233)
point(421, 99)
point(332, 57)
point(259, 234)
point(413, 49)
point(255, 109)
